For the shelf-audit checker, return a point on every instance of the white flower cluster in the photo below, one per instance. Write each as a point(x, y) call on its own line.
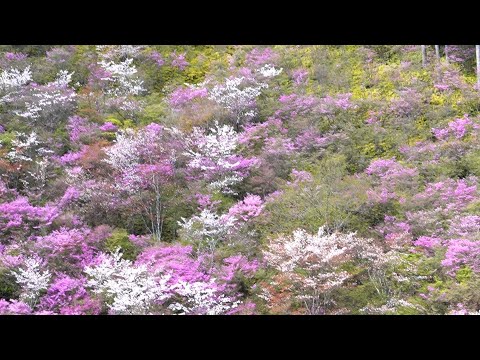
point(63, 78)
point(286, 254)
point(269, 70)
point(201, 297)
point(212, 153)
point(39, 174)
point(225, 183)
point(319, 256)
point(14, 78)
point(32, 280)
point(207, 226)
point(122, 77)
point(46, 102)
point(123, 155)
point(131, 289)
point(217, 146)
point(237, 97)
point(390, 307)
point(110, 52)
point(24, 147)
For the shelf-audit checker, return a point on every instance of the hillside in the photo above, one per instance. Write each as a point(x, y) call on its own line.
point(239, 180)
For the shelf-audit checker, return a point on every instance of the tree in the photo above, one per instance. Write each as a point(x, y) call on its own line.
point(314, 263)
point(477, 48)
point(424, 55)
point(437, 51)
point(128, 289)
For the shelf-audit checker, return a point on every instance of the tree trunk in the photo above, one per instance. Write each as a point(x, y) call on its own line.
point(477, 48)
point(424, 55)
point(437, 51)
point(446, 53)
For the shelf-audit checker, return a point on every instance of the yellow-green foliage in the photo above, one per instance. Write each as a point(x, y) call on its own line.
point(332, 198)
point(119, 239)
point(464, 274)
point(154, 109)
point(6, 139)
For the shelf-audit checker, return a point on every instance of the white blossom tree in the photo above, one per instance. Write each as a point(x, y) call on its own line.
point(123, 78)
point(14, 78)
point(206, 229)
point(238, 96)
point(269, 70)
point(313, 262)
point(213, 154)
point(128, 289)
point(201, 298)
point(32, 281)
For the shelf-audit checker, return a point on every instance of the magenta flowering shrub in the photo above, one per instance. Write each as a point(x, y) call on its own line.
point(428, 242)
point(176, 260)
point(20, 218)
point(244, 210)
point(70, 250)
point(182, 96)
point(258, 57)
point(59, 55)
point(294, 105)
point(79, 128)
point(108, 127)
point(448, 196)
point(462, 252)
point(71, 157)
point(179, 61)
point(14, 308)
point(141, 158)
point(255, 135)
point(460, 53)
point(408, 104)
point(238, 264)
point(299, 177)
point(68, 296)
point(157, 58)
point(396, 233)
point(390, 180)
point(464, 226)
point(195, 286)
point(448, 78)
point(457, 128)
point(300, 76)
point(311, 140)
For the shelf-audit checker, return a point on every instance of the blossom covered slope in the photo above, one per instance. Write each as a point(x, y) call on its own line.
point(207, 180)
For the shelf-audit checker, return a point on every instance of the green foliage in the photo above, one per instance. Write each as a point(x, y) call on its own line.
point(119, 239)
point(154, 109)
point(407, 310)
point(9, 289)
point(6, 139)
point(464, 274)
point(357, 297)
point(332, 198)
point(472, 162)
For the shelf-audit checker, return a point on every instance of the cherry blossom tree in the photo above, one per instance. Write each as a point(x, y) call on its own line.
point(313, 262)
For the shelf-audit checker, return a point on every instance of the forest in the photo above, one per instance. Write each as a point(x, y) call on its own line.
point(239, 180)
